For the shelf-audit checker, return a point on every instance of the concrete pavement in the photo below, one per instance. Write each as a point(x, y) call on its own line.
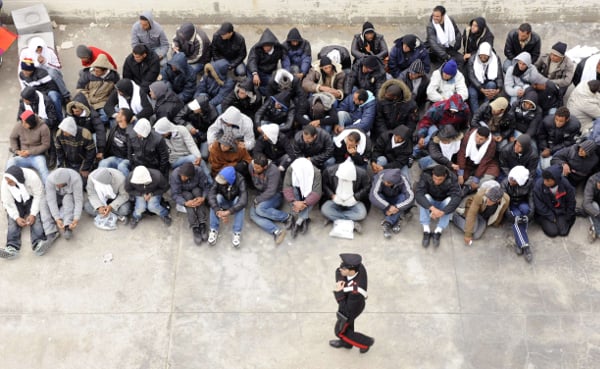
point(150, 298)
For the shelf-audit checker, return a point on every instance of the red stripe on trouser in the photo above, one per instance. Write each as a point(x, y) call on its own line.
point(348, 340)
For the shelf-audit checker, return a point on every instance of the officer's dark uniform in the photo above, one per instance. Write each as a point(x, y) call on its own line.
point(351, 302)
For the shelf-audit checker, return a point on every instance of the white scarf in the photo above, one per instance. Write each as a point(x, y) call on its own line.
point(19, 191)
point(589, 69)
point(362, 144)
point(489, 70)
point(136, 100)
point(449, 149)
point(104, 191)
point(344, 192)
point(474, 153)
point(446, 35)
point(303, 175)
point(41, 106)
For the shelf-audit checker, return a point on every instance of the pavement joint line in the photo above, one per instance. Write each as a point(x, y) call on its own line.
point(173, 291)
point(415, 313)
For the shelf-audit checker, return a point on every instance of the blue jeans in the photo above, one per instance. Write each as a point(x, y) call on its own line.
point(153, 205)
point(520, 229)
point(223, 203)
point(475, 95)
point(382, 160)
point(393, 219)
point(57, 102)
point(430, 131)
point(333, 211)
point(35, 162)
point(267, 212)
point(303, 215)
point(184, 159)
point(114, 162)
point(425, 214)
point(13, 234)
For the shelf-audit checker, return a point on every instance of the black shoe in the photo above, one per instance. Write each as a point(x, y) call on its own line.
point(133, 222)
point(197, 236)
point(294, 230)
point(167, 220)
point(580, 212)
point(387, 230)
point(289, 222)
point(358, 227)
point(304, 228)
point(436, 239)
point(365, 350)
point(339, 344)
point(518, 250)
point(527, 254)
point(426, 238)
point(204, 232)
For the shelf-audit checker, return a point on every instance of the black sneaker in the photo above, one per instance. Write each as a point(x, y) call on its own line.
point(396, 227)
point(518, 250)
point(387, 230)
point(358, 227)
point(197, 235)
point(133, 222)
point(204, 232)
point(365, 350)
point(436, 239)
point(167, 220)
point(305, 223)
point(527, 254)
point(289, 221)
point(580, 212)
point(295, 229)
point(339, 344)
point(426, 239)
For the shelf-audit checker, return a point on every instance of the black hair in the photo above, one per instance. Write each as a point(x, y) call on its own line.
point(440, 9)
point(140, 49)
point(355, 136)
point(310, 130)
point(525, 27)
point(563, 111)
point(127, 113)
point(546, 174)
point(362, 94)
point(260, 159)
point(439, 171)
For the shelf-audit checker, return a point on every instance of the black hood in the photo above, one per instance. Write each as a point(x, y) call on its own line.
point(267, 37)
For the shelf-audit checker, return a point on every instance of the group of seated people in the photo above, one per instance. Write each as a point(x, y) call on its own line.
point(493, 140)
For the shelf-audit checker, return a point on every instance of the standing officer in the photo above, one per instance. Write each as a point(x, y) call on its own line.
point(350, 293)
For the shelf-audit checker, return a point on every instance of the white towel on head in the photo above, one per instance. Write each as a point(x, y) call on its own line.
point(303, 175)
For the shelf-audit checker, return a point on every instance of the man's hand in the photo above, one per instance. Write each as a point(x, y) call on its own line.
point(241, 145)
point(147, 197)
point(566, 169)
point(256, 80)
point(339, 285)
point(337, 129)
point(84, 173)
point(392, 210)
point(315, 123)
point(468, 241)
point(474, 185)
point(435, 212)
point(23, 153)
point(74, 224)
point(351, 149)
point(223, 215)
point(455, 167)
point(520, 92)
point(198, 161)
point(298, 206)
point(21, 222)
point(30, 219)
point(99, 156)
point(421, 142)
point(497, 138)
point(60, 224)
point(376, 167)
point(461, 180)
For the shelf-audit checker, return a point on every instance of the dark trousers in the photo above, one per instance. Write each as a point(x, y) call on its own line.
point(561, 227)
point(347, 334)
point(197, 215)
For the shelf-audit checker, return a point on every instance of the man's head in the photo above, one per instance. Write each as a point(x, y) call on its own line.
point(449, 70)
point(586, 148)
point(29, 95)
point(350, 264)
point(28, 119)
point(352, 140)
point(145, 23)
point(561, 117)
point(326, 66)
point(68, 127)
point(524, 32)
point(309, 134)
point(484, 52)
point(494, 195)
point(548, 178)
point(439, 174)
point(27, 67)
point(522, 144)
point(227, 142)
point(409, 43)
point(266, 48)
point(84, 53)
point(400, 133)
point(186, 171)
point(368, 31)
point(447, 133)
point(370, 63)
point(14, 175)
point(499, 105)
point(259, 163)
point(481, 135)
point(360, 96)
point(142, 128)
point(225, 31)
point(124, 117)
point(140, 53)
point(437, 16)
point(416, 70)
point(393, 92)
point(557, 54)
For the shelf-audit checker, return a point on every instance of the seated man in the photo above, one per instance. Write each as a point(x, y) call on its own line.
point(64, 202)
point(556, 132)
point(86, 117)
point(189, 190)
point(405, 51)
point(520, 40)
point(128, 95)
point(226, 152)
point(284, 80)
point(147, 148)
point(438, 195)
point(227, 197)
point(89, 54)
point(194, 44)
point(520, 76)
point(395, 106)
point(588, 69)
point(527, 114)
point(474, 36)
point(245, 97)
point(22, 193)
point(351, 144)
point(476, 159)
point(486, 79)
point(519, 152)
point(417, 81)
point(238, 124)
point(264, 57)
point(142, 66)
point(97, 83)
point(368, 43)
point(75, 147)
point(444, 37)
point(181, 145)
point(357, 111)
point(337, 54)
point(498, 117)
point(115, 153)
point(180, 77)
point(266, 178)
point(147, 185)
point(197, 116)
point(216, 86)
point(165, 101)
point(393, 150)
point(584, 104)
point(578, 161)
point(146, 31)
point(278, 109)
point(302, 190)
point(391, 193)
point(443, 149)
point(447, 81)
point(29, 142)
point(228, 49)
point(346, 191)
point(367, 73)
point(106, 194)
point(554, 201)
point(297, 56)
point(325, 76)
point(591, 207)
point(314, 144)
point(275, 145)
point(557, 67)
point(319, 112)
point(518, 185)
point(40, 80)
point(486, 207)
point(41, 105)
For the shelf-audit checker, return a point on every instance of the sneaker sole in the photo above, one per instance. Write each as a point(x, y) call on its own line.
point(7, 255)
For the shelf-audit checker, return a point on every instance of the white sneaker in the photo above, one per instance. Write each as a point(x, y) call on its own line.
point(236, 241)
point(180, 208)
point(212, 237)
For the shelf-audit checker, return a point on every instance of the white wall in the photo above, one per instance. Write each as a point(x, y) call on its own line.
point(313, 11)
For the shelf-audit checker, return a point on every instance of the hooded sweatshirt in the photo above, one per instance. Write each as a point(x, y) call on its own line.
point(155, 38)
point(259, 61)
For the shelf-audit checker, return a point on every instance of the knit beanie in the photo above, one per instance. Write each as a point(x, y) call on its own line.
point(68, 125)
point(495, 193)
point(27, 64)
point(588, 146)
point(226, 176)
point(371, 62)
point(450, 67)
point(141, 175)
point(28, 117)
point(271, 130)
point(416, 67)
point(559, 49)
point(325, 61)
point(501, 103)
